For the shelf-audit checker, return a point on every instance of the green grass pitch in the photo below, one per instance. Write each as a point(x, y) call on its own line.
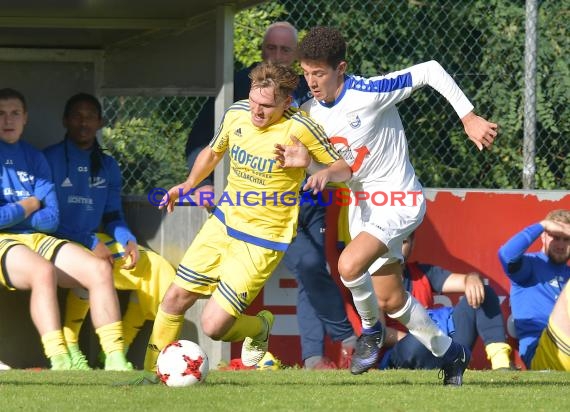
point(287, 390)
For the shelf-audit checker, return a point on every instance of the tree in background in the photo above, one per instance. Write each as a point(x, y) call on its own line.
point(479, 42)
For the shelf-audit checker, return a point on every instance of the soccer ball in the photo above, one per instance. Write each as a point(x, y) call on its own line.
point(182, 363)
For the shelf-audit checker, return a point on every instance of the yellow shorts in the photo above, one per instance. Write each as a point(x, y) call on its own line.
point(231, 271)
point(553, 350)
point(44, 245)
point(150, 278)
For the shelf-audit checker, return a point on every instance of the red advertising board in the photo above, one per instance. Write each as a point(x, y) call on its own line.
point(462, 232)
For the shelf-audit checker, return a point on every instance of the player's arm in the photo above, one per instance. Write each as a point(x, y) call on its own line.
point(480, 131)
point(205, 164)
point(339, 171)
point(512, 252)
point(30, 205)
point(556, 229)
point(114, 222)
point(46, 218)
point(297, 155)
point(470, 284)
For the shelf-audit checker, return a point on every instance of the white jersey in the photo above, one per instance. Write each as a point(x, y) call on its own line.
point(365, 127)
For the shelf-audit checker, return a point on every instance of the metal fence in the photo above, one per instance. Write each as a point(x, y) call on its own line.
point(481, 43)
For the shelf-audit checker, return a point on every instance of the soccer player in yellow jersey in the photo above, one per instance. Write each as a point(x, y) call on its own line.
point(246, 236)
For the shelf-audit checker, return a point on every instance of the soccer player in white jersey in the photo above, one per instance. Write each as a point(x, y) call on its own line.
point(360, 117)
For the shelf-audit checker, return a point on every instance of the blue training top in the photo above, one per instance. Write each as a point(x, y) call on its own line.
point(25, 173)
point(86, 202)
point(536, 284)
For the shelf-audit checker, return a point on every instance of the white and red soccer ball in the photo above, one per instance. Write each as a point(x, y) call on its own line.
point(182, 363)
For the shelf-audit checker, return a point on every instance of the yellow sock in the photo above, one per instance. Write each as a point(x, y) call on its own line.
point(76, 309)
point(111, 337)
point(165, 330)
point(133, 321)
point(244, 326)
point(54, 343)
point(499, 354)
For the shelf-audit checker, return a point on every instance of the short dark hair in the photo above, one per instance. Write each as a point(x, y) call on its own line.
point(323, 44)
point(82, 97)
point(8, 93)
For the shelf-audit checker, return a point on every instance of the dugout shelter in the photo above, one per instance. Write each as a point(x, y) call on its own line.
point(50, 50)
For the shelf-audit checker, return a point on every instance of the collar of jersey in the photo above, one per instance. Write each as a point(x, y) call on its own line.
point(340, 96)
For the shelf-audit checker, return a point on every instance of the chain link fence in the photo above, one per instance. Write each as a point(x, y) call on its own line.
point(147, 136)
point(481, 43)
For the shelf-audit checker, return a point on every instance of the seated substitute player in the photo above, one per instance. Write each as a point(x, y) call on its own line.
point(361, 119)
point(82, 171)
point(254, 221)
point(540, 295)
point(33, 260)
point(477, 314)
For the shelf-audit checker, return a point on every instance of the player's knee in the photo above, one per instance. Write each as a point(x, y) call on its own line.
point(99, 275)
point(176, 300)
point(44, 277)
point(347, 268)
point(312, 262)
point(391, 302)
point(211, 328)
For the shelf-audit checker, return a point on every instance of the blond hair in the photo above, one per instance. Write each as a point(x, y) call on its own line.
point(559, 215)
point(282, 78)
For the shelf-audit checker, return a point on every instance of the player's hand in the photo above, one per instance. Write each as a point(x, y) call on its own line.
point(132, 255)
point(30, 204)
point(295, 155)
point(317, 181)
point(557, 229)
point(170, 198)
point(207, 199)
point(480, 131)
point(474, 290)
point(103, 252)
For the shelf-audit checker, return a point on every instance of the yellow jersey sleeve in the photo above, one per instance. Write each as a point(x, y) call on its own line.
point(313, 136)
point(220, 141)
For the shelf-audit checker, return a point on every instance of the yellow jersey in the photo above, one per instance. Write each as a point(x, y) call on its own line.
point(260, 203)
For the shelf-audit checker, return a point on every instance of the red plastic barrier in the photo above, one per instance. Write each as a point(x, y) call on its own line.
point(462, 231)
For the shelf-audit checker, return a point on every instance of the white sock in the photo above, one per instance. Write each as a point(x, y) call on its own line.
point(364, 299)
point(414, 317)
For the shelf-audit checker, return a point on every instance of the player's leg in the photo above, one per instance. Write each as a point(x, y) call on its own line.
point(378, 247)
point(399, 305)
point(410, 353)
point(197, 276)
point(243, 273)
point(553, 350)
point(79, 267)
point(320, 306)
point(23, 269)
point(485, 321)
point(168, 322)
point(322, 291)
point(76, 309)
point(311, 331)
point(148, 280)
point(353, 263)
point(133, 319)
